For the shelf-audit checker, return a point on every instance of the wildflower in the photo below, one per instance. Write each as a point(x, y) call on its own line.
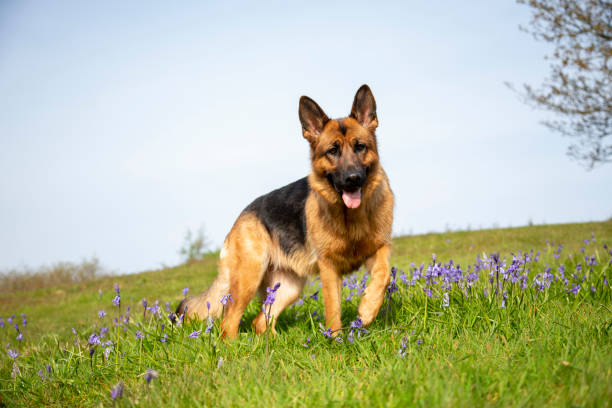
point(307, 344)
point(144, 303)
point(402, 350)
point(117, 302)
point(271, 292)
point(41, 374)
point(24, 321)
point(315, 296)
point(225, 299)
point(445, 300)
point(101, 314)
point(575, 289)
point(107, 352)
point(392, 287)
point(20, 336)
point(209, 327)
point(12, 353)
point(100, 293)
point(419, 342)
point(195, 334)
point(117, 288)
point(150, 374)
point(74, 331)
point(208, 306)
point(592, 288)
point(220, 362)
point(48, 368)
point(326, 333)
point(15, 371)
point(1, 323)
point(93, 339)
point(139, 335)
point(92, 350)
point(185, 290)
point(117, 391)
point(10, 319)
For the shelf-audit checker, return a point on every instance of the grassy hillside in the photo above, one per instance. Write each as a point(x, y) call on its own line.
point(546, 345)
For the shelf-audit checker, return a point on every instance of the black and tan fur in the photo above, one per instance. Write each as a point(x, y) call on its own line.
point(309, 227)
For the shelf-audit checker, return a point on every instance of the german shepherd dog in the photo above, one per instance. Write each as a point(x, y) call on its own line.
point(328, 223)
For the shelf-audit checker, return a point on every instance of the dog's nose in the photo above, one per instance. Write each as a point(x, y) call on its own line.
point(353, 179)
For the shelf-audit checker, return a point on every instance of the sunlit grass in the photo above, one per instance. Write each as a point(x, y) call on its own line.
point(488, 341)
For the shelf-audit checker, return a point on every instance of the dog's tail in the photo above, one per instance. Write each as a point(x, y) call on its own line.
point(206, 304)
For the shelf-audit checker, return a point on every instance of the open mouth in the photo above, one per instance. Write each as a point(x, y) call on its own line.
point(352, 199)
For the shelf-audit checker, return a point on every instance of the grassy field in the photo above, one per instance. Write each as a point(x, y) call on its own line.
point(494, 327)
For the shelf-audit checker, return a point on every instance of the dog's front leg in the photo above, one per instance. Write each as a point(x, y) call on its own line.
point(331, 285)
point(378, 266)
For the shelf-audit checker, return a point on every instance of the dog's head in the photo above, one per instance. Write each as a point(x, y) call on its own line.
point(343, 151)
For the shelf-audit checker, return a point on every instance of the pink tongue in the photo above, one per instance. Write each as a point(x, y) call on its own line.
point(352, 200)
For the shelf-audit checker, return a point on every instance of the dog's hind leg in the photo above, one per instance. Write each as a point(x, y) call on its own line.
point(291, 286)
point(247, 260)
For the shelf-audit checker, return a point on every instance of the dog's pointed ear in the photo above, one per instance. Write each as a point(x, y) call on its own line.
point(312, 117)
point(364, 108)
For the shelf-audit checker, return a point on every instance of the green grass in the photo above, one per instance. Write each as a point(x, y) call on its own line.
point(546, 347)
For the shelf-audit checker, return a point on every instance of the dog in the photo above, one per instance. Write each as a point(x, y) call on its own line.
point(329, 223)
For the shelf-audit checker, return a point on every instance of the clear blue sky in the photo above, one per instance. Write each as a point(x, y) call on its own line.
point(123, 124)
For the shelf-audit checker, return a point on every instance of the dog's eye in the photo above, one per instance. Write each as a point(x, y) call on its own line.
point(360, 147)
point(333, 151)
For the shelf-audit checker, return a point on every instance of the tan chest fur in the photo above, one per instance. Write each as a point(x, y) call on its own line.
point(347, 237)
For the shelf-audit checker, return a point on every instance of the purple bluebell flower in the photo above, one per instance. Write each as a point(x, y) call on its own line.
point(103, 331)
point(41, 374)
point(74, 331)
point(326, 333)
point(94, 339)
point(419, 342)
point(92, 350)
point(225, 299)
point(575, 289)
point(117, 288)
point(117, 301)
point(117, 391)
point(592, 288)
point(150, 374)
point(445, 300)
point(12, 353)
point(1, 323)
point(271, 292)
point(402, 350)
point(107, 352)
point(185, 290)
point(10, 319)
point(15, 371)
point(24, 322)
point(220, 362)
point(139, 335)
point(315, 296)
point(101, 314)
point(167, 307)
point(209, 327)
point(164, 338)
point(20, 336)
point(605, 281)
point(195, 334)
point(48, 368)
point(307, 344)
point(100, 293)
